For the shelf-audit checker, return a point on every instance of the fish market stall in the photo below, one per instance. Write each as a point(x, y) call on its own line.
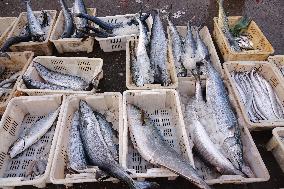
point(12, 69)
point(29, 130)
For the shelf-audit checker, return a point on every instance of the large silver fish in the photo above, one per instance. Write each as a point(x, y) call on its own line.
point(81, 23)
point(142, 71)
point(152, 147)
point(34, 84)
point(98, 152)
point(68, 21)
point(224, 25)
point(201, 139)
point(176, 44)
point(33, 23)
point(227, 123)
point(73, 82)
point(158, 51)
point(33, 134)
point(189, 50)
point(75, 150)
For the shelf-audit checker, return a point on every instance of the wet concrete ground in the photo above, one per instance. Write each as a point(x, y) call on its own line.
point(268, 14)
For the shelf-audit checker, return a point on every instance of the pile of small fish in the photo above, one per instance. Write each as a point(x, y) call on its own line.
point(76, 23)
point(258, 96)
point(213, 127)
point(188, 53)
point(29, 138)
point(149, 62)
point(55, 81)
point(35, 30)
point(236, 36)
point(151, 145)
point(7, 85)
point(91, 144)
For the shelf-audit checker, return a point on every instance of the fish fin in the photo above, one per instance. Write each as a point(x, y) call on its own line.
point(145, 185)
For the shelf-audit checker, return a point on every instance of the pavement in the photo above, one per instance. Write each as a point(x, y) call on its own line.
point(268, 14)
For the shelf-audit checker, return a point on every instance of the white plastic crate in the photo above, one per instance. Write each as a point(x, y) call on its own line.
point(18, 61)
point(269, 72)
point(129, 82)
point(20, 114)
point(251, 155)
point(6, 25)
point(108, 104)
point(276, 146)
point(70, 44)
point(86, 68)
point(39, 48)
point(118, 43)
point(164, 107)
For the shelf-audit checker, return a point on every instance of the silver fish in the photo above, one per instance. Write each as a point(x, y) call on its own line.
point(75, 150)
point(81, 23)
point(142, 70)
point(108, 133)
point(227, 124)
point(152, 147)
point(98, 152)
point(189, 50)
point(224, 25)
point(176, 44)
point(34, 84)
point(33, 23)
point(68, 21)
point(158, 52)
point(33, 134)
point(202, 142)
point(73, 82)
point(12, 79)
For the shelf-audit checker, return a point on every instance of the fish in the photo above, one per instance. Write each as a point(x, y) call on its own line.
point(153, 148)
point(12, 79)
point(34, 25)
point(189, 50)
point(52, 77)
point(141, 68)
point(34, 84)
point(4, 91)
point(33, 134)
point(244, 42)
point(14, 40)
point(98, 152)
point(108, 133)
point(227, 123)
point(224, 25)
point(81, 23)
point(158, 51)
point(201, 140)
point(75, 151)
point(99, 32)
point(176, 44)
point(68, 21)
point(102, 24)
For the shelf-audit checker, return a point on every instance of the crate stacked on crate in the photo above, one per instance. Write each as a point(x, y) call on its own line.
point(89, 69)
point(70, 44)
point(262, 47)
point(6, 25)
point(118, 43)
point(108, 104)
point(268, 71)
point(21, 114)
point(39, 48)
point(276, 145)
point(164, 107)
point(15, 62)
point(250, 152)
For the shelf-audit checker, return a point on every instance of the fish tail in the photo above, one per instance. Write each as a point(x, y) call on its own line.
point(144, 185)
point(247, 171)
